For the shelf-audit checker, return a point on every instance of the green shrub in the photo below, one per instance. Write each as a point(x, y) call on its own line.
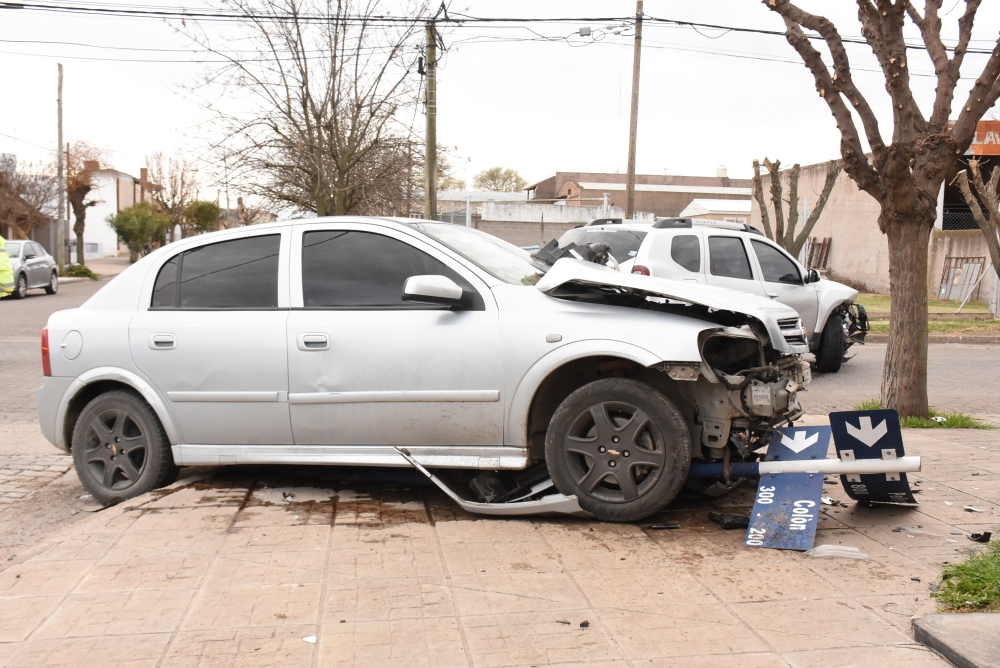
point(81, 271)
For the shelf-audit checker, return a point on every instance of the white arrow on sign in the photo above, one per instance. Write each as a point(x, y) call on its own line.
point(865, 433)
point(799, 442)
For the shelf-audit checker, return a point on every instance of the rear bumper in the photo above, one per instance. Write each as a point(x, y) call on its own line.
point(49, 399)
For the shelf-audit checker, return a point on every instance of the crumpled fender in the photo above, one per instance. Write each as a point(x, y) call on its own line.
point(831, 295)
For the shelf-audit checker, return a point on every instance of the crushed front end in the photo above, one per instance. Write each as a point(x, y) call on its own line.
point(746, 389)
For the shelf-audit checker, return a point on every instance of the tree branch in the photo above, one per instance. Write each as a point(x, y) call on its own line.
point(758, 194)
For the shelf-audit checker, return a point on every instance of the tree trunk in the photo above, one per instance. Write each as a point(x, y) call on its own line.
point(904, 377)
point(78, 228)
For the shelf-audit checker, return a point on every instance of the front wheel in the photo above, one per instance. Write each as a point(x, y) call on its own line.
point(120, 449)
point(53, 286)
point(830, 355)
point(621, 447)
point(20, 287)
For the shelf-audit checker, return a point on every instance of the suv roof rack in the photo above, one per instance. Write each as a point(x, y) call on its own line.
point(605, 221)
point(675, 222)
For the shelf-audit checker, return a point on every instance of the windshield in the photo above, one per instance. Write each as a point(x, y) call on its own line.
point(14, 248)
point(622, 244)
point(495, 256)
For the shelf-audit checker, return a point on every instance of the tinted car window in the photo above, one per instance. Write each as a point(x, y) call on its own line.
point(622, 244)
point(776, 266)
point(237, 274)
point(685, 249)
point(359, 269)
point(727, 257)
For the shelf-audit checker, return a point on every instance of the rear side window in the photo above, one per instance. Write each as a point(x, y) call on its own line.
point(685, 249)
point(349, 269)
point(728, 257)
point(622, 244)
point(237, 274)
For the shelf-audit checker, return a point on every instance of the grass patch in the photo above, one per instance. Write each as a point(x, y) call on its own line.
point(973, 585)
point(882, 304)
point(946, 326)
point(947, 421)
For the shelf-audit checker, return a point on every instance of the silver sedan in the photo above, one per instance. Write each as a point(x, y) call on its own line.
point(389, 342)
point(33, 268)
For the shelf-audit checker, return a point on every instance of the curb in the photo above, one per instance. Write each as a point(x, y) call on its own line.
point(969, 640)
point(971, 339)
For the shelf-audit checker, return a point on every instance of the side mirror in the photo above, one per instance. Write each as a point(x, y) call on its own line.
point(432, 289)
point(812, 276)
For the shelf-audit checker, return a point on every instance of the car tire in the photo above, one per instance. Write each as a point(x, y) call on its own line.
point(120, 448)
point(53, 286)
point(830, 355)
point(20, 287)
point(621, 447)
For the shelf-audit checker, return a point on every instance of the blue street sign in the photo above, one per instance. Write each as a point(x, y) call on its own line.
point(871, 435)
point(787, 506)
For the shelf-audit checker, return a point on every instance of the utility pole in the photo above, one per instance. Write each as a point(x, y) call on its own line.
point(430, 135)
point(634, 121)
point(60, 224)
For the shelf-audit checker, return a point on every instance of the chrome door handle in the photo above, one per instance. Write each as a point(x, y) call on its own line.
point(162, 341)
point(313, 341)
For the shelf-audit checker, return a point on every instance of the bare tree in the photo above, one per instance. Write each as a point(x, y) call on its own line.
point(83, 161)
point(28, 197)
point(986, 193)
point(905, 175)
point(790, 237)
point(320, 126)
point(499, 179)
point(172, 184)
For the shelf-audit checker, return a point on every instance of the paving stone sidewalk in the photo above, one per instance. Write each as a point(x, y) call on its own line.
point(20, 475)
point(325, 567)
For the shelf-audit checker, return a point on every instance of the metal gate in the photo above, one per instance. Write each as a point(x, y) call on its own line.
point(960, 278)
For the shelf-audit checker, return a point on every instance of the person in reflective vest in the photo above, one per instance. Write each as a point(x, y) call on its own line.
point(6, 275)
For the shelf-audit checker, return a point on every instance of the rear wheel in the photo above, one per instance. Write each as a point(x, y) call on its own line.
point(621, 447)
point(53, 286)
point(120, 449)
point(830, 355)
point(20, 287)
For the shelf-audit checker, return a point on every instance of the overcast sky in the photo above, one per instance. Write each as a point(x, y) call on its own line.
point(708, 97)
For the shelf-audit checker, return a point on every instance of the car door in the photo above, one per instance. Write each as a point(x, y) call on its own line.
point(729, 264)
point(367, 368)
point(784, 281)
point(36, 264)
point(212, 340)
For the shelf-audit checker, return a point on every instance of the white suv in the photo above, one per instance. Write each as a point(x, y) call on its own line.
point(737, 257)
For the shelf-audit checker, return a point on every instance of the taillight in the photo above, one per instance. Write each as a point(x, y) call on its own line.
point(46, 365)
point(639, 269)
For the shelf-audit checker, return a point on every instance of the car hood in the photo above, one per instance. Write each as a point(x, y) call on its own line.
point(568, 273)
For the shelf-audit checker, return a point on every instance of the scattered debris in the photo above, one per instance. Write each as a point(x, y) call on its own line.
point(311, 639)
point(938, 418)
point(563, 621)
point(915, 579)
point(948, 503)
point(11, 557)
point(729, 521)
point(957, 533)
point(584, 624)
point(660, 527)
point(836, 551)
point(971, 509)
point(827, 501)
point(983, 537)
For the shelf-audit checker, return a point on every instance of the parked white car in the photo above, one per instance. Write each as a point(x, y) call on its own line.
point(392, 342)
point(738, 257)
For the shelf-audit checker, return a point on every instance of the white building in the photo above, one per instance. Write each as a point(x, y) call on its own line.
point(113, 191)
